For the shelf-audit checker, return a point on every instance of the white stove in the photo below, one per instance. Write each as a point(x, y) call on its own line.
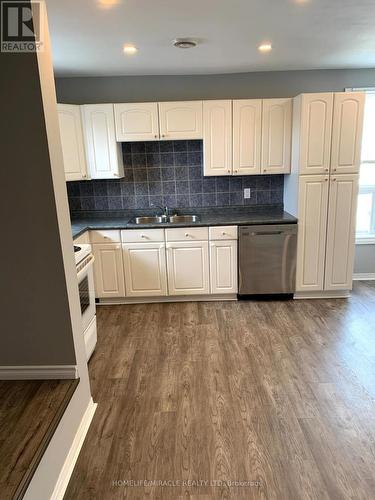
point(81, 251)
point(85, 275)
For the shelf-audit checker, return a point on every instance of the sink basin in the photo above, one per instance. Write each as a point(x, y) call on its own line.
point(153, 219)
point(178, 219)
point(160, 219)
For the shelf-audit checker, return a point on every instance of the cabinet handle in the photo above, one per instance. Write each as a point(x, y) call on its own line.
point(326, 169)
point(326, 179)
point(84, 175)
point(228, 171)
point(143, 236)
point(334, 179)
point(335, 169)
point(223, 233)
point(264, 170)
point(163, 135)
point(187, 234)
point(155, 136)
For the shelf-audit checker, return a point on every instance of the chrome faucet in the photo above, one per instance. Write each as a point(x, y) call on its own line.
point(165, 210)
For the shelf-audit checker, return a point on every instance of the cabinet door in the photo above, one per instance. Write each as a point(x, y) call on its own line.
point(247, 124)
point(341, 232)
point(276, 136)
point(145, 269)
point(137, 121)
point(312, 226)
point(104, 155)
point(181, 120)
point(108, 270)
point(315, 133)
point(347, 132)
point(217, 137)
point(223, 266)
point(188, 268)
point(72, 142)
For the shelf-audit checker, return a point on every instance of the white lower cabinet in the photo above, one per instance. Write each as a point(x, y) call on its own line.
point(223, 268)
point(312, 228)
point(145, 269)
point(154, 262)
point(108, 270)
point(188, 268)
point(341, 232)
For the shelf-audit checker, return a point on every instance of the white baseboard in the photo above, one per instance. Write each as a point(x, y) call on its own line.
point(38, 372)
point(71, 459)
point(364, 276)
point(175, 298)
point(340, 294)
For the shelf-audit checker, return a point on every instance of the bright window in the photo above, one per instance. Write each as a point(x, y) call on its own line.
point(365, 228)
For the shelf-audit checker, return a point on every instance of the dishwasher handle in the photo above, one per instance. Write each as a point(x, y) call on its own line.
point(268, 231)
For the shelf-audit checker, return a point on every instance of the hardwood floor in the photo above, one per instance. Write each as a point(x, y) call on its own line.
point(277, 393)
point(30, 411)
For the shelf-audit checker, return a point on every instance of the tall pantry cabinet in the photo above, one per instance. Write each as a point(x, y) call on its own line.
point(322, 189)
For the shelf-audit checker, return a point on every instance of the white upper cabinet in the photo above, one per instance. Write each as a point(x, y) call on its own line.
point(217, 137)
point(137, 121)
point(315, 123)
point(276, 136)
point(104, 154)
point(247, 124)
point(312, 226)
point(72, 142)
point(181, 120)
point(347, 132)
point(341, 232)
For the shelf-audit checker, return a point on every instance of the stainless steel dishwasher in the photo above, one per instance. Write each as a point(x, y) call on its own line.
point(267, 259)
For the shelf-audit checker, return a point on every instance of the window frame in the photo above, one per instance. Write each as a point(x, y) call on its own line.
point(361, 239)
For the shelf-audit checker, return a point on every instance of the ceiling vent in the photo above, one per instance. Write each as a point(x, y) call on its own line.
point(184, 43)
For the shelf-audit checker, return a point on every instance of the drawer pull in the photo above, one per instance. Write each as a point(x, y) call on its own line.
point(143, 236)
point(223, 233)
point(187, 234)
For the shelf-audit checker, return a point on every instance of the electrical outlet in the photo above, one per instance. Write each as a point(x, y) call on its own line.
point(246, 193)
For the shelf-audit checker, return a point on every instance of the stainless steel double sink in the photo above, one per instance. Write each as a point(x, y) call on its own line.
point(165, 219)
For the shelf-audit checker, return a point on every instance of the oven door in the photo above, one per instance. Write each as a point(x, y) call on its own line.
point(87, 292)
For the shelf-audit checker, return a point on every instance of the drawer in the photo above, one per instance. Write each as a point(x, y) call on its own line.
point(142, 235)
point(82, 239)
point(186, 234)
point(223, 232)
point(105, 236)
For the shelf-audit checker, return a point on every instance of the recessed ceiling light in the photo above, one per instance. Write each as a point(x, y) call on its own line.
point(265, 47)
point(107, 4)
point(184, 43)
point(130, 49)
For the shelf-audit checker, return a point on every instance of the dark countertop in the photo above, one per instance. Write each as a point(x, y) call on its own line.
point(239, 216)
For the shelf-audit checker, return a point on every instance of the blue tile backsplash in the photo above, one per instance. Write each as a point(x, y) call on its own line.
point(171, 173)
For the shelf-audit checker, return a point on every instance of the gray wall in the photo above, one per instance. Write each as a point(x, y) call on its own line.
point(35, 319)
point(364, 261)
point(239, 85)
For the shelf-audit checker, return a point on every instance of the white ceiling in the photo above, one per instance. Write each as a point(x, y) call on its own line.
point(88, 39)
